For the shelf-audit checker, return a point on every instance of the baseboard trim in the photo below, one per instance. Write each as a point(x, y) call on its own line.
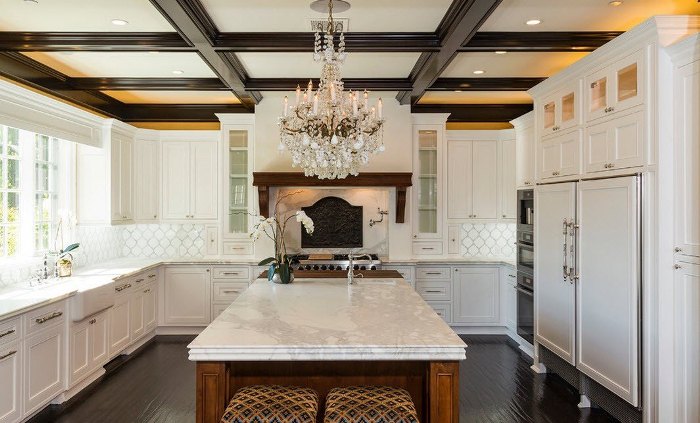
point(179, 330)
point(67, 395)
point(480, 330)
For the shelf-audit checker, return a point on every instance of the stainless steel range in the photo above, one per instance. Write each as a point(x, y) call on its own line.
point(333, 262)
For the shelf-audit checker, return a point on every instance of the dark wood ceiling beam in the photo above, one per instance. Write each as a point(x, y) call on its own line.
point(189, 18)
point(475, 112)
point(462, 21)
point(93, 41)
point(484, 84)
point(289, 84)
point(304, 41)
point(148, 84)
point(538, 41)
point(178, 112)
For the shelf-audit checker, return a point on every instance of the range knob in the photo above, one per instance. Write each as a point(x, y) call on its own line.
point(356, 267)
point(307, 267)
point(338, 267)
point(373, 268)
point(363, 267)
point(324, 267)
point(315, 266)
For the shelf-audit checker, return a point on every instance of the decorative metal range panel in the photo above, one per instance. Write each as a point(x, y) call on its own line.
point(338, 224)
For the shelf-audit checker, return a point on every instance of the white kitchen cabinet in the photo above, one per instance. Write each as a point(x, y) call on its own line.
point(476, 295)
point(687, 160)
point(608, 290)
point(555, 296)
point(616, 87)
point(187, 296)
point(136, 308)
point(686, 342)
point(427, 183)
point(11, 386)
point(510, 299)
point(89, 346)
point(119, 331)
point(189, 180)
point(442, 309)
point(146, 180)
point(561, 110)
point(472, 179)
point(407, 272)
point(507, 191)
point(524, 150)
point(560, 155)
point(43, 367)
point(150, 307)
point(121, 175)
point(615, 144)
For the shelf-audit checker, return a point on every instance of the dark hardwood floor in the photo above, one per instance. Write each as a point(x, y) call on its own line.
point(496, 385)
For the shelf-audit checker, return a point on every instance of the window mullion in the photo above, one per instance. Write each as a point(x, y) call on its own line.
point(27, 186)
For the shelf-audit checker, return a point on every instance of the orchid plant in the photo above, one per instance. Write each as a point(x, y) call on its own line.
point(274, 227)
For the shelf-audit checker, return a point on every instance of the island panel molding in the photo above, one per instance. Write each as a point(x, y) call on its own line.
point(399, 180)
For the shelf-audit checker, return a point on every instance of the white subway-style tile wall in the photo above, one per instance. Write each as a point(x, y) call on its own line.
point(488, 240)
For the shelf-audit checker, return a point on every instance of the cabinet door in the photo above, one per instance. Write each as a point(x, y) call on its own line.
point(146, 190)
point(427, 192)
point(99, 342)
point(554, 294)
point(136, 315)
point(508, 191)
point(550, 158)
point(511, 305)
point(548, 115)
point(204, 180)
point(43, 368)
point(238, 155)
point(570, 153)
point(569, 111)
point(115, 180)
point(150, 306)
point(11, 386)
point(79, 351)
point(607, 293)
point(459, 179)
point(687, 342)
point(626, 141)
point(119, 334)
point(687, 181)
point(628, 79)
point(187, 296)
point(485, 179)
point(595, 148)
point(525, 156)
point(125, 180)
point(476, 298)
point(176, 180)
point(598, 98)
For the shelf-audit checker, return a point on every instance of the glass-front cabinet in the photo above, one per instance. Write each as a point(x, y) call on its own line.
point(237, 135)
point(616, 87)
point(561, 111)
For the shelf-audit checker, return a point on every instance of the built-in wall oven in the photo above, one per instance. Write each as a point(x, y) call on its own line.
point(525, 261)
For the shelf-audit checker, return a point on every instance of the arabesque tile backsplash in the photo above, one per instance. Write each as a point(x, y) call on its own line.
point(488, 240)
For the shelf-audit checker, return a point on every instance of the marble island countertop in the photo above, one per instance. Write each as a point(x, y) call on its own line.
point(325, 319)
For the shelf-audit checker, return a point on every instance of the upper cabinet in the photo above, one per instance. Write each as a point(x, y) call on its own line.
point(616, 87)
point(146, 180)
point(121, 161)
point(472, 179)
point(524, 150)
point(507, 190)
point(560, 156)
point(427, 198)
point(561, 110)
point(615, 144)
point(190, 178)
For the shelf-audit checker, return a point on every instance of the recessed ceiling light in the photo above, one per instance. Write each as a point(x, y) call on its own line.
point(119, 22)
point(178, 72)
point(478, 72)
point(458, 91)
point(533, 22)
point(500, 52)
point(615, 3)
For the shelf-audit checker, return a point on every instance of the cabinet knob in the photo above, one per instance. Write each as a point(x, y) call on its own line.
point(207, 270)
point(678, 250)
point(155, 216)
point(677, 266)
point(415, 236)
point(504, 216)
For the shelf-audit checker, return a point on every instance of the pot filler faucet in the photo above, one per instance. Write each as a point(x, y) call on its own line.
point(352, 257)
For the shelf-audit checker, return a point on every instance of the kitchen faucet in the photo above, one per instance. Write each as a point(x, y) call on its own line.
point(352, 257)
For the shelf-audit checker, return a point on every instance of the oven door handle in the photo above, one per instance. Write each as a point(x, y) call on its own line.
point(524, 291)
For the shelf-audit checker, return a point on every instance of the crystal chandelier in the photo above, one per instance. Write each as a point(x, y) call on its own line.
point(331, 133)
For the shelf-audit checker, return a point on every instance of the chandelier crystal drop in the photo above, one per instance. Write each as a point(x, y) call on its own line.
point(330, 132)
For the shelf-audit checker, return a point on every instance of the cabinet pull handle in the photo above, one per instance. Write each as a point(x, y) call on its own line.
point(10, 354)
point(433, 273)
point(433, 292)
point(139, 280)
point(677, 266)
point(151, 276)
point(677, 250)
point(9, 332)
point(51, 316)
point(230, 291)
point(230, 273)
point(93, 321)
point(147, 291)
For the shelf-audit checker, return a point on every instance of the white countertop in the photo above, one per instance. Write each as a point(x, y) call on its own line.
point(471, 261)
point(325, 319)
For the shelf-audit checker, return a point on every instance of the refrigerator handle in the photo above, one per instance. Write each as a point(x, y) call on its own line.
point(573, 275)
point(565, 266)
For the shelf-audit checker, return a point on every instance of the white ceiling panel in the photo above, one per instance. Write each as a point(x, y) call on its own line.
point(582, 15)
point(295, 15)
point(123, 64)
point(81, 15)
point(476, 97)
point(509, 65)
point(302, 65)
point(174, 97)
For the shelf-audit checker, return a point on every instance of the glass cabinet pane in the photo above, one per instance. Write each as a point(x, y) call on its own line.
point(549, 110)
point(599, 94)
point(238, 181)
point(627, 82)
point(567, 108)
point(427, 181)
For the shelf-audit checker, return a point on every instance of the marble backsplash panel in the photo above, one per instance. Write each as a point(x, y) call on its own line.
point(488, 240)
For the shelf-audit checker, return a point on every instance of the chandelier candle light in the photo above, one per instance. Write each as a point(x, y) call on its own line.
point(331, 132)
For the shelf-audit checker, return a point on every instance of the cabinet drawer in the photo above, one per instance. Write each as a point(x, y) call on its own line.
point(433, 273)
point(47, 316)
point(406, 271)
point(238, 248)
point(427, 248)
point(238, 272)
point(444, 310)
point(217, 309)
point(124, 286)
point(435, 290)
point(10, 330)
point(228, 291)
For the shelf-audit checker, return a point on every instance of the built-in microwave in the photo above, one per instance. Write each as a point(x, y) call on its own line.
point(526, 210)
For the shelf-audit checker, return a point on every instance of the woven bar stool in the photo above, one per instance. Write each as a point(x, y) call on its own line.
point(272, 404)
point(369, 404)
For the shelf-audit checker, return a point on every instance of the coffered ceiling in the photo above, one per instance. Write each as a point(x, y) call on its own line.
point(184, 60)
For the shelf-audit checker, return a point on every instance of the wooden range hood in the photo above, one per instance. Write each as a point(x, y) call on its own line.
point(399, 180)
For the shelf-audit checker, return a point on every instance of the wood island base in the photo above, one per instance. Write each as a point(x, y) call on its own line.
point(433, 385)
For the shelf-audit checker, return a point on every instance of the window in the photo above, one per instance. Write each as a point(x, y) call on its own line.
point(28, 191)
